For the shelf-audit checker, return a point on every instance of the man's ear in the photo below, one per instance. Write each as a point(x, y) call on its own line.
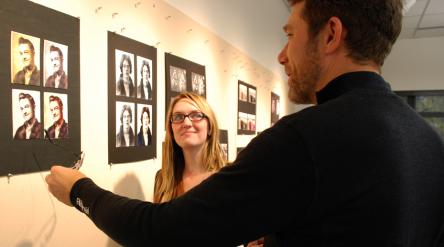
point(334, 35)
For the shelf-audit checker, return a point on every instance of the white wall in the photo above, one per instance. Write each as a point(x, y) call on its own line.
point(416, 64)
point(29, 216)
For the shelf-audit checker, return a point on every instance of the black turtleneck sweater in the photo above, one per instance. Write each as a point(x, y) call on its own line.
point(358, 169)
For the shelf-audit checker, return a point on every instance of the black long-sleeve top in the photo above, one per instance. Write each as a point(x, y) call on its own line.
point(361, 168)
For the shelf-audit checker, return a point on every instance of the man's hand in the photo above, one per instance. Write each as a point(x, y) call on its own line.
point(60, 182)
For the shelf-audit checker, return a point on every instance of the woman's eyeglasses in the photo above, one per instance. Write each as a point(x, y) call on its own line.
point(194, 116)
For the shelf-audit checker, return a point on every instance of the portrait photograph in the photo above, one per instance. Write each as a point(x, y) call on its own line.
point(243, 121)
point(125, 124)
point(25, 59)
point(125, 85)
point(144, 125)
point(26, 122)
point(251, 122)
point(55, 65)
point(178, 79)
point(242, 92)
point(55, 112)
point(198, 84)
point(252, 95)
point(144, 78)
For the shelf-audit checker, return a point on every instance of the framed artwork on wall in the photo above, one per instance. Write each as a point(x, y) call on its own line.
point(40, 86)
point(132, 87)
point(182, 75)
point(223, 140)
point(246, 117)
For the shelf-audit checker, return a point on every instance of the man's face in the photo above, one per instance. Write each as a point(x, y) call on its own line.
point(126, 121)
point(300, 58)
point(145, 73)
point(26, 108)
point(126, 68)
point(54, 108)
point(56, 61)
point(26, 55)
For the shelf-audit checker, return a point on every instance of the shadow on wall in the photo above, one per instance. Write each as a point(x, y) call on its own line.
point(130, 187)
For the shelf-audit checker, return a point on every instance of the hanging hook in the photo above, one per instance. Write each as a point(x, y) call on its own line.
point(9, 177)
point(98, 9)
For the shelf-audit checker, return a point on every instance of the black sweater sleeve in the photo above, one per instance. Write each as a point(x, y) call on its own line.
point(268, 186)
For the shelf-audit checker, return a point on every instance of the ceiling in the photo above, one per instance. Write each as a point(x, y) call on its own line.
point(424, 19)
point(255, 26)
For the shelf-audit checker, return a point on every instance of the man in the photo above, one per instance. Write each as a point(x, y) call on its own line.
point(30, 74)
point(60, 127)
point(31, 128)
point(360, 168)
point(125, 136)
point(58, 79)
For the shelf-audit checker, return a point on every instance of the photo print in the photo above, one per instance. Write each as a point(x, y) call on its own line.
point(251, 122)
point(243, 121)
point(125, 123)
point(26, 122)
point(25, 59)
point(124, 74)
point(178, 79)
point(144, 81)
point(198, 83)
point(55, 72)
point(252, 95)
point(56, 115)
point(144, 132)
point(242, 92)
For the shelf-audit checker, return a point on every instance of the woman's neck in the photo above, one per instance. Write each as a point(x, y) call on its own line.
point(193, 161)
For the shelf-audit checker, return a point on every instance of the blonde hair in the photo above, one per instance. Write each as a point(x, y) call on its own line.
point(170, 176)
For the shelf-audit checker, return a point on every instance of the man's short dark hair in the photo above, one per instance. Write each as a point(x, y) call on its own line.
point(127, 58)
point(55, 48)
point(23, 41)
point(372, 25)
point(29, 97)
point(59, 102)
point(145, 63)
point(130, 111)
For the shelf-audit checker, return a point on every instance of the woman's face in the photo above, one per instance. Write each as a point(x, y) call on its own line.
point(189, 134)
point(145, 73)
point(145, 120)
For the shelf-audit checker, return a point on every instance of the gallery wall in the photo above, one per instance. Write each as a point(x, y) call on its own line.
point(29, 215)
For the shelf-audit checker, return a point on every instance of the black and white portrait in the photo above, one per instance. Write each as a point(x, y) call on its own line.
point(178, 79)
point(55, 71)
point(56, 115)
point(25, 59)
point(125, 136)
point(144, 81)
point(124, 74)
point(198, 84)
point(26, 122)
point(144, 132)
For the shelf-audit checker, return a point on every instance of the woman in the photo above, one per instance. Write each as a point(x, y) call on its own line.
point(144, 136)
point(192, 151)
point(144, 90)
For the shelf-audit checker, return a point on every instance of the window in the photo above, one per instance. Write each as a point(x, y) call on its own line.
point(429, 104)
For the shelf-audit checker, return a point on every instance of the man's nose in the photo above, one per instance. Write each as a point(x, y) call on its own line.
point(282, 56)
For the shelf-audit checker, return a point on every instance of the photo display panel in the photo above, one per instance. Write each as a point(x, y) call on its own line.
point(132, 97)
point(41, 88)
point(246, 114)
